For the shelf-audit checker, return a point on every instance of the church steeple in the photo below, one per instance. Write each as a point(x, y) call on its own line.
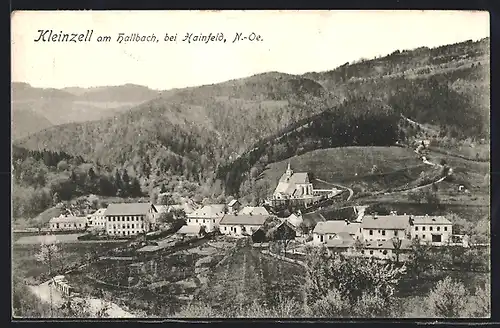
point(289, 171)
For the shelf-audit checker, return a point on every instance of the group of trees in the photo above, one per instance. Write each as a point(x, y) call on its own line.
point(40, 182)
point(346, 287)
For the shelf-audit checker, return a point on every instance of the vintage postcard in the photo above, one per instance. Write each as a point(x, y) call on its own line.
point(250, 164)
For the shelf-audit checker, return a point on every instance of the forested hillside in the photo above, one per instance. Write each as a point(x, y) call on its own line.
point(236, 127)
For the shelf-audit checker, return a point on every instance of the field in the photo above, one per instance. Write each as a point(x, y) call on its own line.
point(363, 168)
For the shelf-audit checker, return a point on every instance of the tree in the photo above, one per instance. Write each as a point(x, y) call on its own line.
point(419, 258)
point(448, 299)
point(356, 279)
point(135, 188)
point(49, 252)
point(396, 243)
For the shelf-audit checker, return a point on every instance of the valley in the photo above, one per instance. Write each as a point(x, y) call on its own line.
point(403, 135)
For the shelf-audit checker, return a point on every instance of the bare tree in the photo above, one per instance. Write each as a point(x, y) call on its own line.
point(48, 253)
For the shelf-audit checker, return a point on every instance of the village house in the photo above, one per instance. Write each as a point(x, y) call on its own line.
point(208, 216)
point(97, 219)
point(253, 210)
point(294, 189)
point(384, 227)
point(295, 219)
point(68, 222)
point(233, 206)
point(127, 219)
point(387, 249)
point(329, 230)
point(436, 230)
point(239, 225)
point(186, 207)
point(280, 231)
point(190, 231)
point(341, 242)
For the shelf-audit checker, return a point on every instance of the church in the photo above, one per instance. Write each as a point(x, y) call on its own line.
point(294, 188)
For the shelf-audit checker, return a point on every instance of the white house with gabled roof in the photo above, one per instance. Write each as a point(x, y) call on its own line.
point(208, 216)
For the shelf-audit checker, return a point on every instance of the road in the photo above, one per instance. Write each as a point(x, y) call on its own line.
point(351, 192)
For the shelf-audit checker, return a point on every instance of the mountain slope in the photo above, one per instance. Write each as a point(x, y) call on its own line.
point(71, 104)
point(234, 125)
point(26, 121)
point(192, 122)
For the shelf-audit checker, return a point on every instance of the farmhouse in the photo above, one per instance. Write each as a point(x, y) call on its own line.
point(187, 208)
point(238, 225)
point(434, 229)
point(293, 188)
point(130, 218)
point(330, 230)
point(65, 222)
point(190, 230)
point(279, 230)
point(387, 250)
point(97, 219)
point(233, 206)
point(208, 216)
point(384, 227)
point(253, 210)
point(341, 242)
point(295, 219)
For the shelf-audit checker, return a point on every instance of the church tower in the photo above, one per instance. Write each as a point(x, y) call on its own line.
point(288, 171)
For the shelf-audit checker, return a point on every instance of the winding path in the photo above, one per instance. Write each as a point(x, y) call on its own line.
point(351, 192)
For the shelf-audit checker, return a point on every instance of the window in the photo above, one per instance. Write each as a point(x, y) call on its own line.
point(416, 228)
point(214, 220)
point(438, 228)
point(423, 228)
point(383, 232)
point(132, 226)
point(371, 232)
point(371, 252)
point(430, 228)
point(384, 252)
point(395, 233)
point(445, 228)
point(225, 228)
point(423, 236)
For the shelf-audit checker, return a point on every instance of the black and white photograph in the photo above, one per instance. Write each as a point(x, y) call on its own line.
point(250, 164)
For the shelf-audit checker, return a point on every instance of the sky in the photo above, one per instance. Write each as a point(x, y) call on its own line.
point(292, 42)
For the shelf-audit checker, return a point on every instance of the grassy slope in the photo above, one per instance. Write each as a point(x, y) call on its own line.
point(342, 164)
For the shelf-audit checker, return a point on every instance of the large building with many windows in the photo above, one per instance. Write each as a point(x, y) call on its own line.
point(126, 219)
point(385, 227)
point(437, 230)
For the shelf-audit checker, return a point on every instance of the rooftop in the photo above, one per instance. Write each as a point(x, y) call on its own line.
point(189, 230)
point(430, 220)
point(254, 210)
point(337, 226)
point(231, 203)
point(69, 218)
point(209, 211)
point(128, 209)
point(394, 222)
point(246, 219)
